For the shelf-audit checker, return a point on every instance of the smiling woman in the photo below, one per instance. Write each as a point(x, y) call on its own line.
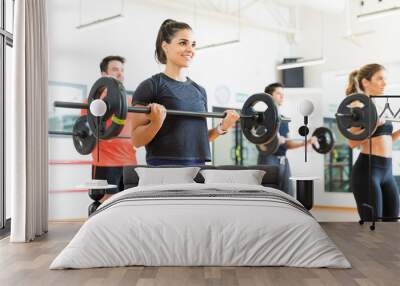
point(375, 160)
point(172, 40)
point(174, 140)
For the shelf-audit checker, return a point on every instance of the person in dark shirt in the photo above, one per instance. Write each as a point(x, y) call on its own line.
point(279, 157)
point(175, 140)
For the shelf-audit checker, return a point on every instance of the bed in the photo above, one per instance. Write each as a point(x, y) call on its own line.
point(201, 224)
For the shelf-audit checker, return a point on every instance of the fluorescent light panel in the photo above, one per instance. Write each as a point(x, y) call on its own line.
point(99, 21)
point(218, 45)
point(302, 63)
point(377, 14)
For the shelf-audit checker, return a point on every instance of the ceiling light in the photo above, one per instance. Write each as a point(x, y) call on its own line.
point(378, 14)
point(99, 21)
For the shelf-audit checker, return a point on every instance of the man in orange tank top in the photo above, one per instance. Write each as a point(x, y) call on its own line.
point(117, 152)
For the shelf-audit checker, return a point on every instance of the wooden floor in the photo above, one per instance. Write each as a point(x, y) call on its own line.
point(374, 255)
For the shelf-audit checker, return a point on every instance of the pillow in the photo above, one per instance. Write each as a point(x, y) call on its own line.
point(166, 176)
point(249, 177)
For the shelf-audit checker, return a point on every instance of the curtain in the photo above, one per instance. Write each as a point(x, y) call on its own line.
point(26, 123)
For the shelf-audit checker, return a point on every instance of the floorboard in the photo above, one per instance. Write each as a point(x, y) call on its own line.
point(374, 255)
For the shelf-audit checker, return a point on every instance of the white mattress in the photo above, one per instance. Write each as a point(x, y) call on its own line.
point(186, 230)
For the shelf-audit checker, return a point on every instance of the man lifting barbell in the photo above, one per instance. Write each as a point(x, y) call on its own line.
point(110, 156)
point(358, 121)
point(275, 153)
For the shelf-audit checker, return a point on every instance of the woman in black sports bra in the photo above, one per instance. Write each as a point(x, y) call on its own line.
point(370, 80)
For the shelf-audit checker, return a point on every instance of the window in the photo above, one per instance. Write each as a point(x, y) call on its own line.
point(338, 163)
point(6, 43)
point(233, 148)
point(9, 12)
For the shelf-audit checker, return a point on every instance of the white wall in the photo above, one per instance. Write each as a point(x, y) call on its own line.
point(315, 162)
point(372, 41)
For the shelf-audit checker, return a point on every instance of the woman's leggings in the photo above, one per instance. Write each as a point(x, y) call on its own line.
point(384, 197)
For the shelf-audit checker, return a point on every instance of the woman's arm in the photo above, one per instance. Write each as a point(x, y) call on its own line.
point(146, 126)
point(212, 134)
point(355, 143)
point(396, 135)
point(226, 123)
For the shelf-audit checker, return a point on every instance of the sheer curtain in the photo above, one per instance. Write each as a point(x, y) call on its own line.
point(26, 119)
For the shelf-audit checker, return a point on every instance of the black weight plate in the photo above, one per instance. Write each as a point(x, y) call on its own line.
point(271, 147)
point(326, 140)
point(112, 123)
point(363, 117)
point(261, 129)
point(82, 136)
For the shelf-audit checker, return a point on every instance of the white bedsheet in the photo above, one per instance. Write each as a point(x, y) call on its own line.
point(200, 231)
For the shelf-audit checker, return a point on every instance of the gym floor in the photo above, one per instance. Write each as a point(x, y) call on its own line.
point(374, 255)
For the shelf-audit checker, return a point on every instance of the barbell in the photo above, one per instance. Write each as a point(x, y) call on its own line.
point(258, 126)
point(325, 139)
point(83, 138)
point(357, 117)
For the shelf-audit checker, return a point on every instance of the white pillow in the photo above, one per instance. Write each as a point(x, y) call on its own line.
point(248, 177)
point(166, 176)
